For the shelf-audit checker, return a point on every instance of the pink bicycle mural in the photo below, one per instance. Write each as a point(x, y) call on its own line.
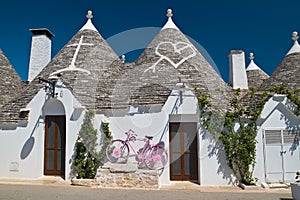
point(154, 156)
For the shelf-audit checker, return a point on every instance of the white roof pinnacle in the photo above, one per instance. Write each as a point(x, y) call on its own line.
point(296, 47)
point(89, 15)
point(169, 13)
point(252, 65)
point(170, 23)
point(89, 25)
point(123, 58)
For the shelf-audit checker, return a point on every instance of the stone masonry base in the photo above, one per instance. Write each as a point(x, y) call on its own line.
point(121, 176)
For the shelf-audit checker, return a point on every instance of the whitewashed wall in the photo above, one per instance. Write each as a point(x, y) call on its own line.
point(273, 116)
point(22, 149)
point(211, 161)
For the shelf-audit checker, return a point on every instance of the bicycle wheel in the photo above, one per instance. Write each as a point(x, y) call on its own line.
point(156, 158)
point(117, 151)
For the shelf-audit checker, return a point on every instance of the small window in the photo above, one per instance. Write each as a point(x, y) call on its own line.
point(24, 113)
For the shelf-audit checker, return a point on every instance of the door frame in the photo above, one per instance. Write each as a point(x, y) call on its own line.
point(184, 177)
point(63, 162)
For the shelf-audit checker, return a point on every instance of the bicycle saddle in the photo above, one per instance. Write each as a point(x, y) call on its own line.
point(149, 137)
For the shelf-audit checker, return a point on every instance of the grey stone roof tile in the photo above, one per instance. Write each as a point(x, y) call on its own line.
point(287, 73)
point(96, 59)
point(256, 77)
point(112, 84)
point(10, 82)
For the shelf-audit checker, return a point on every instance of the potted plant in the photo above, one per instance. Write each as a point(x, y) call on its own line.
point(295, 187)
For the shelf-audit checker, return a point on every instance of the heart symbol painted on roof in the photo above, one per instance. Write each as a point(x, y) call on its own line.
point(180, 51)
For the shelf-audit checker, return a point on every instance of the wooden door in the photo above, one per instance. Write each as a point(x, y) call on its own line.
point(54, 148)
point(183, 151)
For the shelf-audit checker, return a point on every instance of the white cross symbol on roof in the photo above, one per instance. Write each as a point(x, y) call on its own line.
point(72, 66)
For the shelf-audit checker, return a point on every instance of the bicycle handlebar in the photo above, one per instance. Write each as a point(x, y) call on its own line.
point(131, 132)
point(131, 135)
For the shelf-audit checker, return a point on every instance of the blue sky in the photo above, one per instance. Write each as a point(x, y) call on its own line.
point(263, 27)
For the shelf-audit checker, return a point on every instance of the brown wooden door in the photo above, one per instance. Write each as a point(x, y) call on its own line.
point(183, 151)
point(55, 141)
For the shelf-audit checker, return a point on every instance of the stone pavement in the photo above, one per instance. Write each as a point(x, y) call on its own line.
point(55, 181)
point(175, 185)
point(52, 189)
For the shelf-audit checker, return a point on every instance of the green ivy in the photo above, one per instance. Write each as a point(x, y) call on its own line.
point(211, 117)
point(238, 138)
point(238, 134)
point(87, 159)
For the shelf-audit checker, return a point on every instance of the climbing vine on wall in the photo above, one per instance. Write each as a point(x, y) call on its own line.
point(239, 131)
point(211, 117)
point(239, 137)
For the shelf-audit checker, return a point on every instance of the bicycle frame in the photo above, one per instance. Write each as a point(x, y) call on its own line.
point(154, 156)
point(140, 154)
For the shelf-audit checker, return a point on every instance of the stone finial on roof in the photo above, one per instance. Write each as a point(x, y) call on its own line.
point(170, 23)
point(89, 25)
point(252, 65)
point(89, 14)
point(251, 56)
point(123, 58)
point(169, 13)
point(295, 36)
point(296, 47)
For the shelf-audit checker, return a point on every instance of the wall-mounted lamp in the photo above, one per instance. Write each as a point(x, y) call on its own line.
point(51, 82)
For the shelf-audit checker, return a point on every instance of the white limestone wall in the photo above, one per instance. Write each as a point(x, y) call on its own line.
point(24, 146)
point(274, 117)
point(211, 160)
point(40, 55)
point(13, 142)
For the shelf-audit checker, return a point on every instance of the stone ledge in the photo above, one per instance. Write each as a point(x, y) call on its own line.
point(121, 176)
point(126, 176)
point(121, 168)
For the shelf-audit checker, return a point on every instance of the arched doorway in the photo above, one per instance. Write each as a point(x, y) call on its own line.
point(55, 139)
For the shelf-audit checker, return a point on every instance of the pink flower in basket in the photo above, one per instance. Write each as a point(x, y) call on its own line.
point(156, 158)
point(117, 152)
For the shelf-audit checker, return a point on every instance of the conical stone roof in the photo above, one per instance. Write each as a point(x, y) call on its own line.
point(255, 74)
point(169, 59)
point(82, 62)
point(10, 82)
point(288, 71)
point(98, 79)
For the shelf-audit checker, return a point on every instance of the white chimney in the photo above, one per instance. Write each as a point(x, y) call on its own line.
point(40, 54)
point(237, 73)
